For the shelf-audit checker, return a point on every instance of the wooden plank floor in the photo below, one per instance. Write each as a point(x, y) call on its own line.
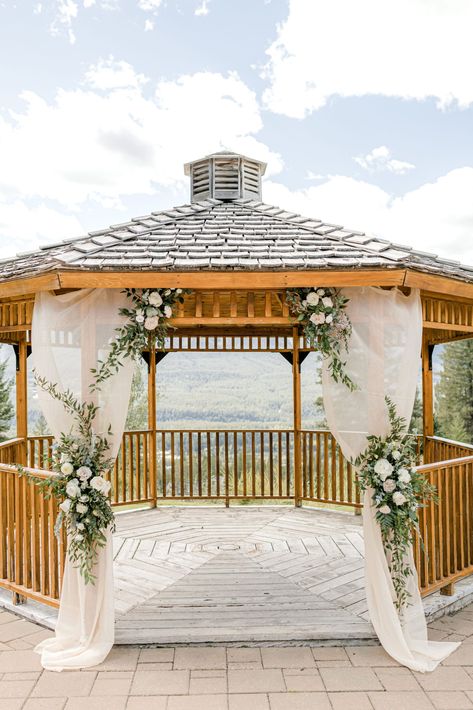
point(243, 574)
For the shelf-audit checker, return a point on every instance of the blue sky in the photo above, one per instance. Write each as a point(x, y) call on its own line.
point(363, 111)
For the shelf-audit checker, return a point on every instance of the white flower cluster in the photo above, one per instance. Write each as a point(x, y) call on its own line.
point(392, 480)
point(324, 304)
point(79, 487)
point(153, 308)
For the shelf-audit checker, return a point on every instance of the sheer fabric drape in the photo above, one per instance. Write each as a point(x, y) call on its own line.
point(382, 359)
point(70, 332)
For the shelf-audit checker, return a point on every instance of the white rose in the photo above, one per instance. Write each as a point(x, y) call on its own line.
point(399, 498)
point(155, 299)
point(84, 473)
point(99, 483)
point(389, 485)
point(396, 455)
point(321, 292)
point(304, 303)
point(383, 468)
point(167, 311)
point(327, 301)
point(81, 508)
point(140, 319)
point(73, 488)
point(317, 318)
point(152, 311)
point(151, 323)
point(385, 509)
point(84, 499)
point(329, 319)
point(178, 291)
point(65, 505)
point(80, 526)
point(312, 298)
point(403, 475)
point(96, 513)
point(78, 537)
point(67, 468)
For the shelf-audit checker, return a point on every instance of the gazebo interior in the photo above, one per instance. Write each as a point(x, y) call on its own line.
point(233, 573)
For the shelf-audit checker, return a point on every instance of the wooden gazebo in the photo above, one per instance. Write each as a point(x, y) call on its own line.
point(237, 255)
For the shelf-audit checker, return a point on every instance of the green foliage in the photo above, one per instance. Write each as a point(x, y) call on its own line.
point(6, 407)
point(321, 313)
point(454, 392)
point(387, 470)
point(79, 461)
point(146, 327)
point(416, 423)
point(137, 417)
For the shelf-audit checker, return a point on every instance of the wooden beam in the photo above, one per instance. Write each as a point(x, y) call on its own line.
point(296, 389)
point(152, 421)
point(439, 284)
point(22, 398)
point(20, 287)
point(427, 390)
point(253, 280)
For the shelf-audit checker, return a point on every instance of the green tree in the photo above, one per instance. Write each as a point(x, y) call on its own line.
point(6, 407)
point(454, 392)
point(417, 424)
point(137, 417)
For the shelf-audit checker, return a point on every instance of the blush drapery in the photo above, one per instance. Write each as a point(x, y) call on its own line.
point(382, 359)
point(70, 332)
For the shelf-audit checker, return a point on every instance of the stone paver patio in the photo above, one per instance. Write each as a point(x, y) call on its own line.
point(234, 678)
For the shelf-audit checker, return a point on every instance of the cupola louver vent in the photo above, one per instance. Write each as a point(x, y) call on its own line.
point(225, 176)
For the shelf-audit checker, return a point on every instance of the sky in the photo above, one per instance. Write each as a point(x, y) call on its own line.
point(363, 111)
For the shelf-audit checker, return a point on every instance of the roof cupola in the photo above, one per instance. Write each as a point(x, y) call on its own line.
point(225, 176)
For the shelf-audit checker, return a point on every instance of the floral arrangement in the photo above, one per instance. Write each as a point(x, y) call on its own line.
point(146, 327)
point(79, 461)
point(321, 313)
point(387, 468)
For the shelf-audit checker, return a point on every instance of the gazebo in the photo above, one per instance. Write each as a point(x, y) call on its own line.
point(237, 256)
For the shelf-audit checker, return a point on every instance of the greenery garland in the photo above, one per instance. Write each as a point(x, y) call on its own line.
point(321, 312)
point(79, 461)
point(147, 324)
point(387, 468)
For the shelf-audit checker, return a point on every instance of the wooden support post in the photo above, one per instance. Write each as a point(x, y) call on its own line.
point(448, 590)
point(296, 389)
point(152, 420)
point(427, 396)
point(22, 399)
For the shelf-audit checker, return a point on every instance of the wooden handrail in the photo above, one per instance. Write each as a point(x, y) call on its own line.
point(37, 472)
point(448, 463)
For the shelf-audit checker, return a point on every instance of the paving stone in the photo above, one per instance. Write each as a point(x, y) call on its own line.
point(302, 680)
point(294, 657)
point(397, 679)
point(370, 656)
point(445, 678)
point(16, 630)
point(197, 702)
point(257, 701)
point(208, 685)
point(264, 681)
point(112, 684)
point(160, 683)
point(65, 684)
point(400, 701)
point(11, 703)
point(443, 700)
point(120, 658)
point(190, 658)
point(463, 656)
point(241, 655)
point(115, 703)
point(350, 701)
point(329, 653)
point(19, 661)
point(299, 701)
point(156, 702)
point(16, 688)
point(45, 704)
point(349, 679)
point(156, 655)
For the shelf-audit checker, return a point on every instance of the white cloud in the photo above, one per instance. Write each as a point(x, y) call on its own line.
point(380, 159)
point(436, 217)
point(101, 145)
point(110, 74)
point(24, 227)
point(150, 5)
point(412, 49)
point(149, 25)
point(202, 9)
point(66, 13)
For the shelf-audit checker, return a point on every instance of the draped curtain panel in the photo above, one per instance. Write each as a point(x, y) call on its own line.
point(70, 332)
point(383, 359)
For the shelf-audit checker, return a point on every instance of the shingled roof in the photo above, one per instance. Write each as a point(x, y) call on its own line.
point(240, 234)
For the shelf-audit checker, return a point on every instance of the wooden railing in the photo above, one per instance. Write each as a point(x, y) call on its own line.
point(446, 527)
point(231, 464)
point(327, 477)
point(11, 451)
point(437, 449)
point(31, 556)
point(130, 478)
